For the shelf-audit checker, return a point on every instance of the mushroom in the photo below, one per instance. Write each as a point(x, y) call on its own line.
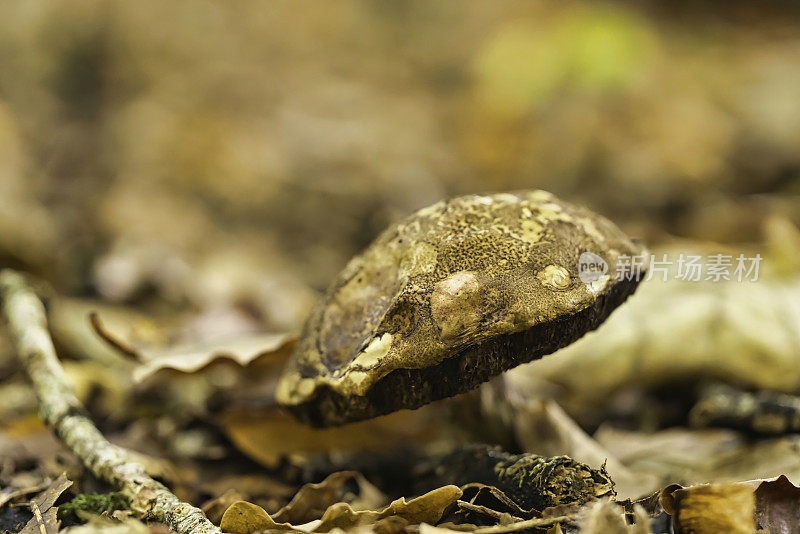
point(454, 294)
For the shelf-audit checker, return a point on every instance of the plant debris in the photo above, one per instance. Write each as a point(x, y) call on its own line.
point(246, 518)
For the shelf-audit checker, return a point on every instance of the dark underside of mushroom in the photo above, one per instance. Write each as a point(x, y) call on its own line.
point(466, 370)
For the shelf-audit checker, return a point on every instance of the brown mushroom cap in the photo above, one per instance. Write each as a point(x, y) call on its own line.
point(449, 297)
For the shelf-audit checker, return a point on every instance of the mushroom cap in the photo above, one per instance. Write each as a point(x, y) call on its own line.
point(454, 294)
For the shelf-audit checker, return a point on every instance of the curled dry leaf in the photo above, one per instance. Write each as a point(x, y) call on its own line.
point(194, 357)
point(772, 505)
point(313, 499)
point(247, 518)
point(214, 508)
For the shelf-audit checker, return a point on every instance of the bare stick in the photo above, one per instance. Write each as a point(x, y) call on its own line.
point(64, 414)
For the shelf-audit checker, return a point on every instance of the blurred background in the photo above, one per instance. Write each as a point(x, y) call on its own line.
point(213, 165)
point(194, 148)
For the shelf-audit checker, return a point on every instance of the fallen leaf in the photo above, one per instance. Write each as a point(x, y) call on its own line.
point(215, 507)
point(246, 518)
point(190, 358)
point(427, 508)
point(194, 356)
point(711, 508)
point(778, 506)
point(42, 522)
point(313, 499)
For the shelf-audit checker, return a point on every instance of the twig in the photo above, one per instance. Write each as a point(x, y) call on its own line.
point(521, 525)
point(64, 414)
point(38, 515)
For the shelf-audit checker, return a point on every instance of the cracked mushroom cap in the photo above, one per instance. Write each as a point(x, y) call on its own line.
point(449, 297)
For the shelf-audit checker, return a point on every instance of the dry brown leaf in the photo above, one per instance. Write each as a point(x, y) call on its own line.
point(710, 508)
point(42, 522)
point(426, 508)
point(778, 506)
point(247, 518)
point(772, 505)
point(313, 499)
point(193, 356)
point(214, 508)
point(190, 358)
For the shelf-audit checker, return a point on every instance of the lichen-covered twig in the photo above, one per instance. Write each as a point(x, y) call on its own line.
point(64, 414)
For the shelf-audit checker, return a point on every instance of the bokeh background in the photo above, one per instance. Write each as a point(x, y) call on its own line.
point(217, 152)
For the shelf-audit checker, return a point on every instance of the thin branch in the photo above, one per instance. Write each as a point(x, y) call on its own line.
point(38, 515)
point(64, 414)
